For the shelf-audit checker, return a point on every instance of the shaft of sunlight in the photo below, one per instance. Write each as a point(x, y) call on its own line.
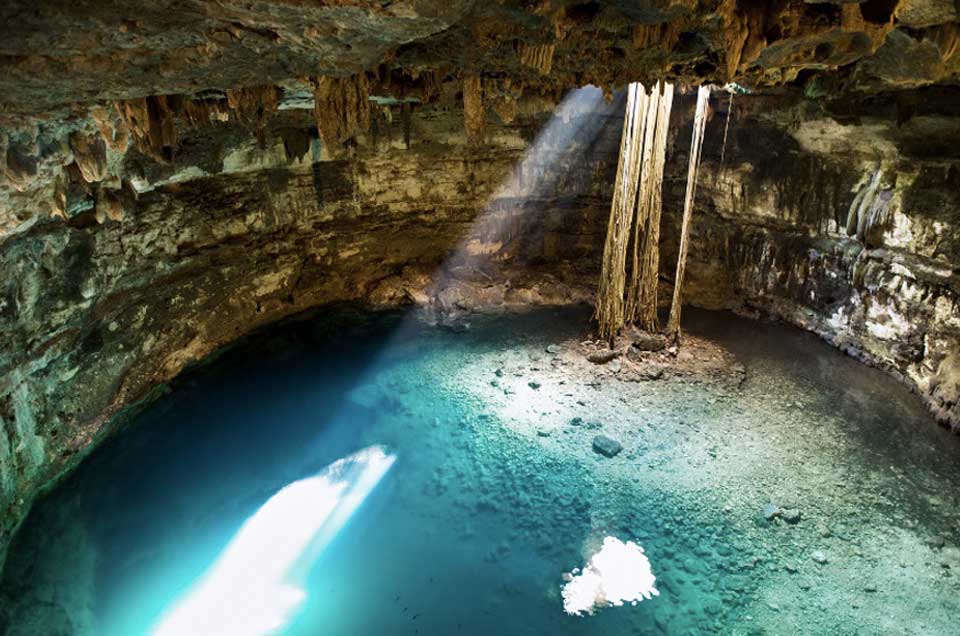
point(517, 209)
point(256, 584)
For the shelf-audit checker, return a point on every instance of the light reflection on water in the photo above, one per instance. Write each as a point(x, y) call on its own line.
point(256, 585)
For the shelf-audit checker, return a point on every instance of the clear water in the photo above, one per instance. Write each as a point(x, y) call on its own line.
point(495, 493)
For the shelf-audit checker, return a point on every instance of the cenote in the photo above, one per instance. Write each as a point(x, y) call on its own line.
point(473, 317)
point(495, 489)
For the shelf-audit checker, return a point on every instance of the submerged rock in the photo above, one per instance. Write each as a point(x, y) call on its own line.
point(771, 511)
point(606, 446)
point(603, 357)
point(790, 515)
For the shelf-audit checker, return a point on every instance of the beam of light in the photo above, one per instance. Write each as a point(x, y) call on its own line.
point(521, 209)
point(619, 573)
point(518, 209)
point(256, 584)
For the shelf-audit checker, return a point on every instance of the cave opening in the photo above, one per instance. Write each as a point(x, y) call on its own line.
point(470, 318)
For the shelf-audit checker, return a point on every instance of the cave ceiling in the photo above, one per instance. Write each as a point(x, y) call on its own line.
point(59, 54)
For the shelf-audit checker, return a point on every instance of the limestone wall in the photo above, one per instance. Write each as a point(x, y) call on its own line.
point(850, 230)
point(97, 310)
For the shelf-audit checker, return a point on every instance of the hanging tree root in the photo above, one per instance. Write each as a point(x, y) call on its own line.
point(610, 310)
point(637, 202)
point(644, 312)
point(696, 146)
point(726, 128)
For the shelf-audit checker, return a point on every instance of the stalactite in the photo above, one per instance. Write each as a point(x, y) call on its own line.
point(58, 206)
point(90, 153)
point(108, 206)
point(696, 146)
point(200, 112)
point(341, 108)
point(871, 208)
point(151, 124)
point(296, 143)
point(947, 39)
point(536, 56)
point(112, 128)
point(505, 106)
point(663, 34)
point(736, 33)
point(473, 111)
point(254, 106)
point(17, 166)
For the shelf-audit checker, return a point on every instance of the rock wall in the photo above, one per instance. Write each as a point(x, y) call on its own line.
point(843, 222)
point(839, 218)
point(97, 310)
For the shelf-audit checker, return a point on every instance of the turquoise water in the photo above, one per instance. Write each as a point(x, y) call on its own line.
point(496, 492)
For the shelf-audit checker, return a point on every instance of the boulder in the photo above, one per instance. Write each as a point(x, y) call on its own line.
point(645, 341)
point(606, 446)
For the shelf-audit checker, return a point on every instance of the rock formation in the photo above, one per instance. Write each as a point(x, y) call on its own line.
point(177, 174)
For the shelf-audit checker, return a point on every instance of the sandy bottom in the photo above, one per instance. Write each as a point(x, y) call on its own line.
point(776, 486)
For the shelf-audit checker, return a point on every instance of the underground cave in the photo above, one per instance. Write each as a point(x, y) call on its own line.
point(463, 317)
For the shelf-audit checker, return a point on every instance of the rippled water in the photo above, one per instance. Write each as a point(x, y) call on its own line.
point(496, 491)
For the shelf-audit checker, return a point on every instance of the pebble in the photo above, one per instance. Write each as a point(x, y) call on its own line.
point(819, 557)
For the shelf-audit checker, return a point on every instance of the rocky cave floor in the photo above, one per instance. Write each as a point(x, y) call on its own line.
point(777, 486)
